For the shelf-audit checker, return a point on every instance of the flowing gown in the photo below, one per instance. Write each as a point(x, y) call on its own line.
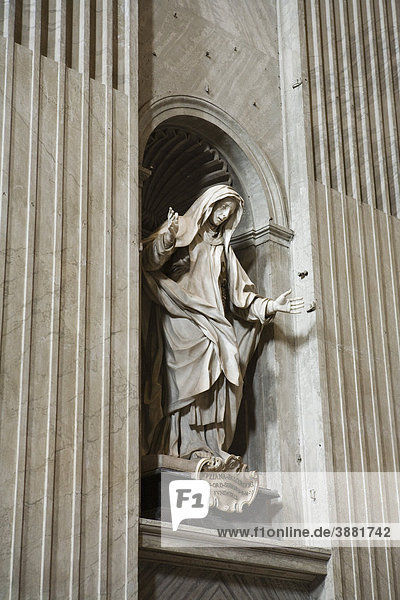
point(201, 323)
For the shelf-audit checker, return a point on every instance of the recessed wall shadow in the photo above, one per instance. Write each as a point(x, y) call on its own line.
point(248, 424)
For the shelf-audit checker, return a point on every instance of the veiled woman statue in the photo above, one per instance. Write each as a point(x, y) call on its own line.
point(202, 319)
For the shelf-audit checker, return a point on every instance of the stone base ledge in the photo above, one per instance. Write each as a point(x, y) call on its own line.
point(265, 559)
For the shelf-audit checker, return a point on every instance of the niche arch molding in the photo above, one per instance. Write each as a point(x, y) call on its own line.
point(267, 205)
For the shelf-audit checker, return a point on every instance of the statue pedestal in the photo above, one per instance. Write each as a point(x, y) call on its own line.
point(152, 467)
point(265, 505)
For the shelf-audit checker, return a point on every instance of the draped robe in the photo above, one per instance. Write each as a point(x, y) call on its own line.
point(202, 319)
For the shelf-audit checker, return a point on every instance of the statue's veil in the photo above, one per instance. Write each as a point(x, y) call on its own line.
point(199, 212)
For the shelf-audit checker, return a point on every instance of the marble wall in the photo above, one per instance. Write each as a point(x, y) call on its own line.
point(69, 296)
point(359, 250)
point(315, 87)
point(352, 58)
point(339, 100)
point(353, 51)
point(224, 53)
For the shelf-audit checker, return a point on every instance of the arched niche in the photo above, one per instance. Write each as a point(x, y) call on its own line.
point(217, 150)
point(180, 163)
point(265, 200)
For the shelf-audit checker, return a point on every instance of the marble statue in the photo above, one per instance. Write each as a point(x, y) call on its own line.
point(202, 320)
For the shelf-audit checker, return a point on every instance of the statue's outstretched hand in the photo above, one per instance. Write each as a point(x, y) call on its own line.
point(284, 304)
point(172, 227)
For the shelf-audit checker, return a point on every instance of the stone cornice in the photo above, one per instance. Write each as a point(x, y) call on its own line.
point(204, 549)
point(269, 233)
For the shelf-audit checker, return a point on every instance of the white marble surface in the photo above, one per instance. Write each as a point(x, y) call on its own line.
point(69, 384)
point(182, 67)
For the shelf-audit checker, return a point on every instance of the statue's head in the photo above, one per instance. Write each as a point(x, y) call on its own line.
point(222, 210)
point(219, 205)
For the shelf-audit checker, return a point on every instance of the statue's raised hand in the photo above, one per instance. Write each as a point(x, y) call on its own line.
point(284, 304)
point(172, 227)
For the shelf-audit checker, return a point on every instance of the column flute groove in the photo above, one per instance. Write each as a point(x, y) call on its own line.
point(16, 572)
point(52, 394)
point(380, 158)
point(76, 549)
point(365, 134)
point(5, 128)
point(393, 142)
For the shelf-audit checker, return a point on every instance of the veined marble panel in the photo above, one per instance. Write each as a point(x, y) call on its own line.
point(353, 76)
point(219, 53)
point(69, 338)
point(358, 254)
